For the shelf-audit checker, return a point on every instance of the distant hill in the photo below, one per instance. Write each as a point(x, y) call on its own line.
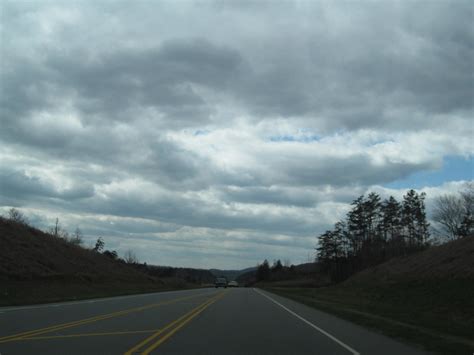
point(196, 276)
point(302, 275)
point(231, 275)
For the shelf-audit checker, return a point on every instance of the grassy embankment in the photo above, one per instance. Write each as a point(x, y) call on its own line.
point(36, 267)
point(426, 299)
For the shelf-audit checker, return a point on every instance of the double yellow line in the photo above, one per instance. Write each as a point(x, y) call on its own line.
point(32, 333)
point(149, 344)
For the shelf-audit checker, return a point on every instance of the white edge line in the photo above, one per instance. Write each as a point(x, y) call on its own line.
point(347, 347)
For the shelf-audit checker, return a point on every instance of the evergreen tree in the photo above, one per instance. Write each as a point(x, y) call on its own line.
point(277, 266)
point(372, 215)
point(356, 224)
point(324, 247)
point(391, 219)
point(99, 245)
point(422, 225)
point(414, 219)
point(263, 271)
point(392, 226)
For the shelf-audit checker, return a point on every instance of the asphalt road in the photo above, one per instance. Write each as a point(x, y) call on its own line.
point(203, 321)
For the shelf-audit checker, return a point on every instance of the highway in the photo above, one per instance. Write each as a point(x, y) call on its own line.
point(201, 321)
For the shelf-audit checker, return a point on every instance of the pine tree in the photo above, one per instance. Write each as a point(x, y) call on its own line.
point(392, 227)
point(391, 219)
point(422, 225)
point(414, 219)
point(356, 224)
point(263, 271)
point(372, 215)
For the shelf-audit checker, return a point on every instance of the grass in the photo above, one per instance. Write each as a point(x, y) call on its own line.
point(435, 314)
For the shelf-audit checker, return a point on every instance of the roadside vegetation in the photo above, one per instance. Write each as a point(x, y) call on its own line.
point(384, 266)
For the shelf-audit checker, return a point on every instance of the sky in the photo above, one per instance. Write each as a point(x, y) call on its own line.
point(220, 133)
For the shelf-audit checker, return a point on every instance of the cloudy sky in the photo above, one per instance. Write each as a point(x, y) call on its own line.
point(220, 133)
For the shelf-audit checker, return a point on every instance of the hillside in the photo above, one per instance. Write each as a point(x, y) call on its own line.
point(451, 260)
point(37, 267)
point(27, 253)
point(194, 276)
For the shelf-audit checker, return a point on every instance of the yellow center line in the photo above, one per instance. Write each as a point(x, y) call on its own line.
point(147, 340)
point(31, 333)
point(178, 327)
point(180, 322)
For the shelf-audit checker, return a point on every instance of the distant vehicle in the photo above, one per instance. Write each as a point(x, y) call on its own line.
point(233, 284)
point(221, 282)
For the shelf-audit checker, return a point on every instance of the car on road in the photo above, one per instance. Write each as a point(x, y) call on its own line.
point(233, 284)
point(221, 282)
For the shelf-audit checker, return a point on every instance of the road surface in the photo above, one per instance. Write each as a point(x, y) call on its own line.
point(202, 321)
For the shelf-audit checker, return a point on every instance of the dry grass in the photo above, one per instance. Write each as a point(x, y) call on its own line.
point(36, 267)
point(451, 260)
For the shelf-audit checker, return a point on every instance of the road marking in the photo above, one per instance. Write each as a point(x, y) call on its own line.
point(179, 326)
point(160, 331)
point(177, 323)
point(347, 347)
point(31, 333)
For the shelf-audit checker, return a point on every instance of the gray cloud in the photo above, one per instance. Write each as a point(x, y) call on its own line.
point(16, 184)
point(152, 123)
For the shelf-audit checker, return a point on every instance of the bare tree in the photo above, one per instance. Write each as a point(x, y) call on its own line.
point(56, 229)
point(455, 213)
point(130, 257)
point(467, 226)
point(448, 213)
point(468, 197)
point(76, 238)
point(17, 216)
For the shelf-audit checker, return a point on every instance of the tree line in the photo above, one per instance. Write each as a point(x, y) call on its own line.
point(375, 230)
point(265, 272)
point(372, 232)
